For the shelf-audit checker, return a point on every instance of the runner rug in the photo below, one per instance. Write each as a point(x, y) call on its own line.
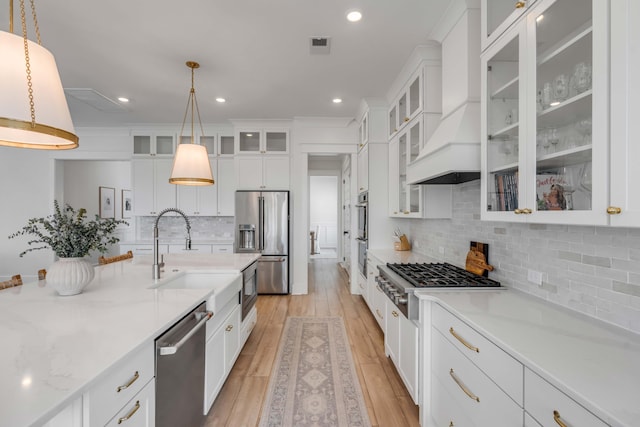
point(314, 382)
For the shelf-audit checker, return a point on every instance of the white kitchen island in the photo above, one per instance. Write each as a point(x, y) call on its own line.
point(56, 348)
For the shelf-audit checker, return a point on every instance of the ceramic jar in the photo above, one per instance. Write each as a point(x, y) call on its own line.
point(69, 276)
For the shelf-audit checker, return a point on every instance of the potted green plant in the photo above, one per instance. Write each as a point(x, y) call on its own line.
point(71, 235)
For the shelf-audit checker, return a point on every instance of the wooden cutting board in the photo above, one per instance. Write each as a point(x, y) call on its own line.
point(476, 263)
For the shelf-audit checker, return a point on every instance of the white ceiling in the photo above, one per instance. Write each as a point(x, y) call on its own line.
point(255, 53)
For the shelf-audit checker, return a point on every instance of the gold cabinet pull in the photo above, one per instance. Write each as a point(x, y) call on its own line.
point(406, 119)
point(130, 414)
point(463, 387)
point(557, 419)
point(451, 424)
point(229, 328)
point(395, 313)
point(527, 211)
point(520, 4)
point(135, 377)
point(614, 210)
point(407, 212)
point(517, 211)
point(463, 341)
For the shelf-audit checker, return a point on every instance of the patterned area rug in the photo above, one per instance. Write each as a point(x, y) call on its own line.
point(314, 382)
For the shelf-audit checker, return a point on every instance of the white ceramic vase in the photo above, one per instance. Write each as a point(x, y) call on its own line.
point(69, 276)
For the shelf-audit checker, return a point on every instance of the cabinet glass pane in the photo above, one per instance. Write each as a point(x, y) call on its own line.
point(497, 12)
point(210, 143)
point(414, 150)
point(414, 96)
point(503, 128)
point(226, 145)
point(403, 113)
point(250, 141)
point(393, 121)
point(276, 141)
point(141, 144)
point(564, 106)
point(402, 172)
point(185, 139)
point(164, 145)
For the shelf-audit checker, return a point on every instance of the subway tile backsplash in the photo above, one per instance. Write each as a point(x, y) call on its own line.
point(173, 227)
point(593, 270)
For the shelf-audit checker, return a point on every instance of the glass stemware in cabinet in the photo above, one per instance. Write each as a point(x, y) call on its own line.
point(584, 128)
point(585, 181)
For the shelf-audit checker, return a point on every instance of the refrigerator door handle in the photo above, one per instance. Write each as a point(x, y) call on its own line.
point(265, 259)
point(261, 222)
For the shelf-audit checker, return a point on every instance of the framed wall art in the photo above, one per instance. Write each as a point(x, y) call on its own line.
point(127, 204)
point(107, 202)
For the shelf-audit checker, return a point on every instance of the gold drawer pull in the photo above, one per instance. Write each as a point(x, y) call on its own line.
point(557, 419)
point(395, 313)
point(229, 328)
point(463, 387)
point(520, 4)
point(462, 340)
point(526, 211)
point(130, 414)
point(518, 211)
point(614, 210)
point(131, 381)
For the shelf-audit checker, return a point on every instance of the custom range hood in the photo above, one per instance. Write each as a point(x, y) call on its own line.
point(452, 154)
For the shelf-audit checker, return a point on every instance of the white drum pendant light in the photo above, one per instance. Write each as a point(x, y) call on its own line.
point(191, 164)
point(33, 108)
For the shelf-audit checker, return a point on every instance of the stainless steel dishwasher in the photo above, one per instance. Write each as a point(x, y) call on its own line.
point(180, 371)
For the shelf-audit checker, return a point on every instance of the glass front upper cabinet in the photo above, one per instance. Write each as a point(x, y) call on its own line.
point(503, 85)
point(564, 107)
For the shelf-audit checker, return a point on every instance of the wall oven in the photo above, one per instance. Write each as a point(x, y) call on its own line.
point(363, 231)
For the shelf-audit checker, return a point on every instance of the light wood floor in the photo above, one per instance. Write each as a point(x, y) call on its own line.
point(239, 403)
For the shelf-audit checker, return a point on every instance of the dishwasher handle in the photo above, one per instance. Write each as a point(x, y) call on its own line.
point(173, 349)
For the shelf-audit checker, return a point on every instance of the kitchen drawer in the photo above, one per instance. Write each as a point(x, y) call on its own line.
point(248, 324)
point(444, 411)
point(543, 401)
point(529, 421)
point(119, 386)
point(503, 369)
point(475, 394)
point(220, 316)
point(195, 249)
point(139, 411)
point(222, 249)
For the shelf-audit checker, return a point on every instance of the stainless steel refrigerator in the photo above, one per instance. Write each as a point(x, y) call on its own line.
point(262, 226)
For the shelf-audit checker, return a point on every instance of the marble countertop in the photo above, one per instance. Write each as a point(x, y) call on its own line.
point(54, 348)
point(595, 363)
point(220, 241)
point(391, 256)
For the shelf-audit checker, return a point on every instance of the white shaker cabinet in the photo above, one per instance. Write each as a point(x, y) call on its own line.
point(624, 207)
point(139, 411)
point(262, 172)
point(225, 186)
point(149, 144)
point(262, 141)
point(363, 169)
point(70, 416)
point(151, 189)
point(545, 116)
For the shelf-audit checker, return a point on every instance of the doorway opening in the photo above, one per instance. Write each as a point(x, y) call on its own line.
point(323, 216)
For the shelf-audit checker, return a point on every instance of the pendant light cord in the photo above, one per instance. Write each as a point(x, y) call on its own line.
point(193, 103)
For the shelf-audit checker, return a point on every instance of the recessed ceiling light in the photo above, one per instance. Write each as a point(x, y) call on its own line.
point(123, 99)
point(539, 18)
point(354, 15)
point(220, 100)
point(337, 100)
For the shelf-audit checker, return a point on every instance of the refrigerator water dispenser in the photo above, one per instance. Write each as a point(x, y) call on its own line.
point(247, 236)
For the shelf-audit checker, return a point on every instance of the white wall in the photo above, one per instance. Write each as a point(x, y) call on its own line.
point(323, 205)
point(593, 270)
point(26, 191)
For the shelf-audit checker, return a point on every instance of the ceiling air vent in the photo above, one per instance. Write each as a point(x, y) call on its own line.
point(319, 45)
point(95, 99)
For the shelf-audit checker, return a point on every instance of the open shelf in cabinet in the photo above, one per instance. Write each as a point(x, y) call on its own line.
point(572, 156)
point(507, 91)
point(567, 112)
